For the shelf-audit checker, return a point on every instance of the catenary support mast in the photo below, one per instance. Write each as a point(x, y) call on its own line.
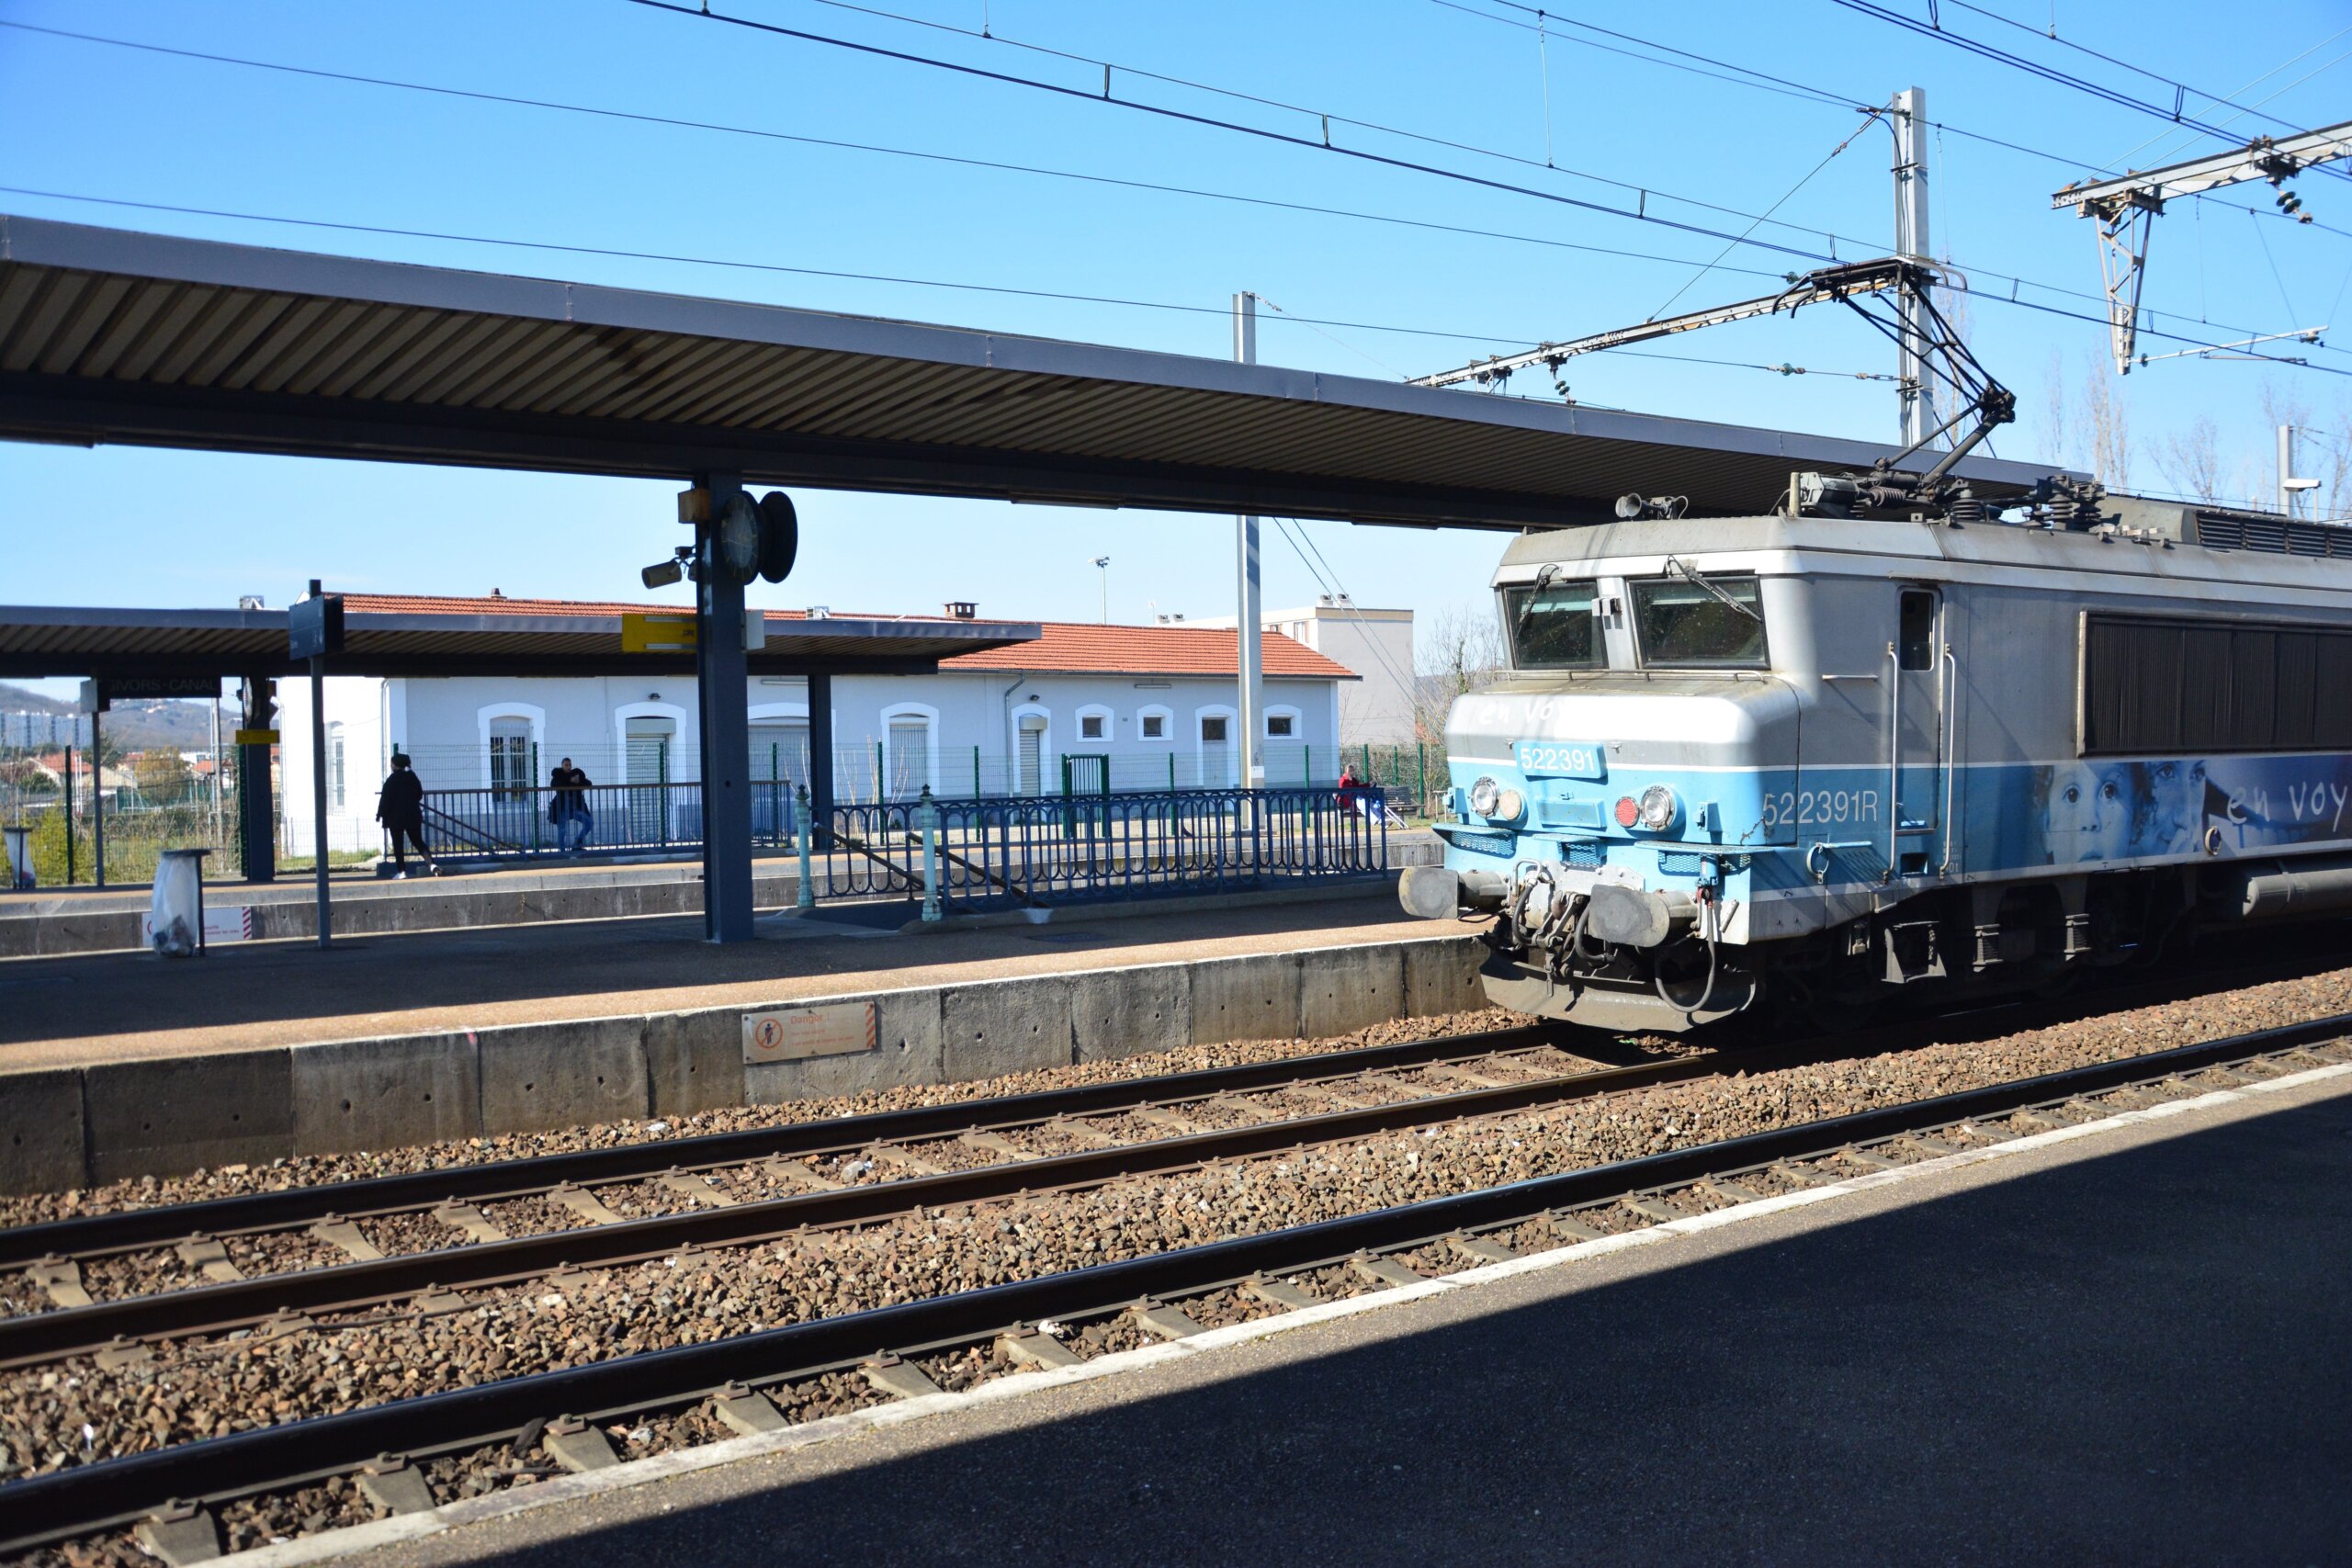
point(1910, 111)
point(1248, 634)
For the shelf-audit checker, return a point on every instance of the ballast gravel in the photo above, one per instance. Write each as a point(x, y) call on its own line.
point(77, 1412)
point(311, 1170)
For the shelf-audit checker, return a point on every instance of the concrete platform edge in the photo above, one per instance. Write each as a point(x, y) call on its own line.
point(63, 1128)
point(334, 1545)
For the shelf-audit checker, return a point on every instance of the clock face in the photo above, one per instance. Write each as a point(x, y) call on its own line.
point(737, 537)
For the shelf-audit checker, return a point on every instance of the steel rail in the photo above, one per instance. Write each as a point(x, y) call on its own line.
point(131, 1229)
point(78, 1502)
point(212, 1309)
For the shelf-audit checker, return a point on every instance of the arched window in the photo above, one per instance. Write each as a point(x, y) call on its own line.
point(1156, 724)
point(1094, 725)
point(909, 749)
point(510, 746)
point(1033, 748)
point(780, 743)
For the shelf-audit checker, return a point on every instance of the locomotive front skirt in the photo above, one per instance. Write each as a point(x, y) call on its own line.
point(1822, 757)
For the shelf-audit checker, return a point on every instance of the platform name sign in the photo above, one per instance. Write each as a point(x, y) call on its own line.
point(793, 1034)
point(160, 688)
point(314, 626)
point(658, 633)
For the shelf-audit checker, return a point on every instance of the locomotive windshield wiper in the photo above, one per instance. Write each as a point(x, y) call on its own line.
point(1682, 568)
point(1544, 577)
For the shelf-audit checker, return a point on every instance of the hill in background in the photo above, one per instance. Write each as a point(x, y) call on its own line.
point(135, 725)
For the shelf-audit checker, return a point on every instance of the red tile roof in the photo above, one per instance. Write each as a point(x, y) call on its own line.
point(1085, 646)
point(1068, 647)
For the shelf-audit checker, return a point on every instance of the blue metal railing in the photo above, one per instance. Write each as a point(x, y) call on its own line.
point(993, 854)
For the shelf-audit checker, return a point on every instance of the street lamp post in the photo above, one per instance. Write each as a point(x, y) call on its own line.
point(1103, 564)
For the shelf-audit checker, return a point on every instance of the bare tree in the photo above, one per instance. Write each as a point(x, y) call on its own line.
point(2335, 440)
point(1460, 650)
point(2108, 425)
point(2050, 426)
point(2191, 460)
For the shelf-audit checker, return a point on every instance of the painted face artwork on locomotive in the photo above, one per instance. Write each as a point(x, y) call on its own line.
point(2169, 806)
point(2086, 811)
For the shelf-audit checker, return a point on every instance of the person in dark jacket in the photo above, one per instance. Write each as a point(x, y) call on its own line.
point(399, 806)
point(569, 810)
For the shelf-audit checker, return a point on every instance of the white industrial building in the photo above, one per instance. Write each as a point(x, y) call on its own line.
point(1157, 703)
point(1377, 645)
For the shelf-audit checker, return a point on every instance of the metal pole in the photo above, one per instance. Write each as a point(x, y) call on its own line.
point(806, 898)
point(722, 679)
point(1248, 632)
point(319, 788)
point(927, 824)
point(2285, 468)
point(68, 816)
point(97, 801)
point(216, 765)
point(1910, 113)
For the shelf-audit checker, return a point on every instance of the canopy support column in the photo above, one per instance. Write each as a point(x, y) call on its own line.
point(256, 819)
point(722, 677)
point(821, 759)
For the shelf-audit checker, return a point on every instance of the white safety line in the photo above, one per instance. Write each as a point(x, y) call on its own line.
point(330, 1545)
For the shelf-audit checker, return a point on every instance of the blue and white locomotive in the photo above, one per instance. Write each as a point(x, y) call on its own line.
point(1823, 756)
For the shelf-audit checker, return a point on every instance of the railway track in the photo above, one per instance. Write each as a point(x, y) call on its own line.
point(556, 1419)
point(429, 1280)
point(717, 1179)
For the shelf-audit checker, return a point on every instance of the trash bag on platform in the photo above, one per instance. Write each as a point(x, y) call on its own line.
point(176, 917)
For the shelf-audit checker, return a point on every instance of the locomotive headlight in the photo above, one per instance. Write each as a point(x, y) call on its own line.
point(1658, 807)
point(1485, 795)
point(1509, 807)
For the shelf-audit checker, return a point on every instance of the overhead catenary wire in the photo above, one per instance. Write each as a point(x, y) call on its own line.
point(1284, 137)
point(964, 160)
point(1264, 133)
point(2228, 99)
point(625, 114)
point(2115, 97)
point(2187, 140)
point(1763, 81)
point(679, 123)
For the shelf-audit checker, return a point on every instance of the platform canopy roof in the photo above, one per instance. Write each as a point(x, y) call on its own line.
point(454, 639)
point(113, 336)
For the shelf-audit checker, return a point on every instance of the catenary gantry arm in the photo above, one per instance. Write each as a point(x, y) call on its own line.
point(2123, 207)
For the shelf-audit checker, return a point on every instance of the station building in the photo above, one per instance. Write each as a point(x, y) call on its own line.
point(1155, 703)
point(1377, 709)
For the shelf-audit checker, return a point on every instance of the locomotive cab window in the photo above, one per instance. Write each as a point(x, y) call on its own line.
point(1914, 645)
point(1553, 626)
point(1700, 622)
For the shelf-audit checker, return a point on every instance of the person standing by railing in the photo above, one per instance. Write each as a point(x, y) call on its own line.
point(399, 806)
point(569, 807)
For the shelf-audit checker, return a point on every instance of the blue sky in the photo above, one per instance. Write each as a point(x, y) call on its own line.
point(86, 119)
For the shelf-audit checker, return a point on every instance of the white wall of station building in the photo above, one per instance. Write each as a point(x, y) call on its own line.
point(1376, 644)
point(988, 731)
